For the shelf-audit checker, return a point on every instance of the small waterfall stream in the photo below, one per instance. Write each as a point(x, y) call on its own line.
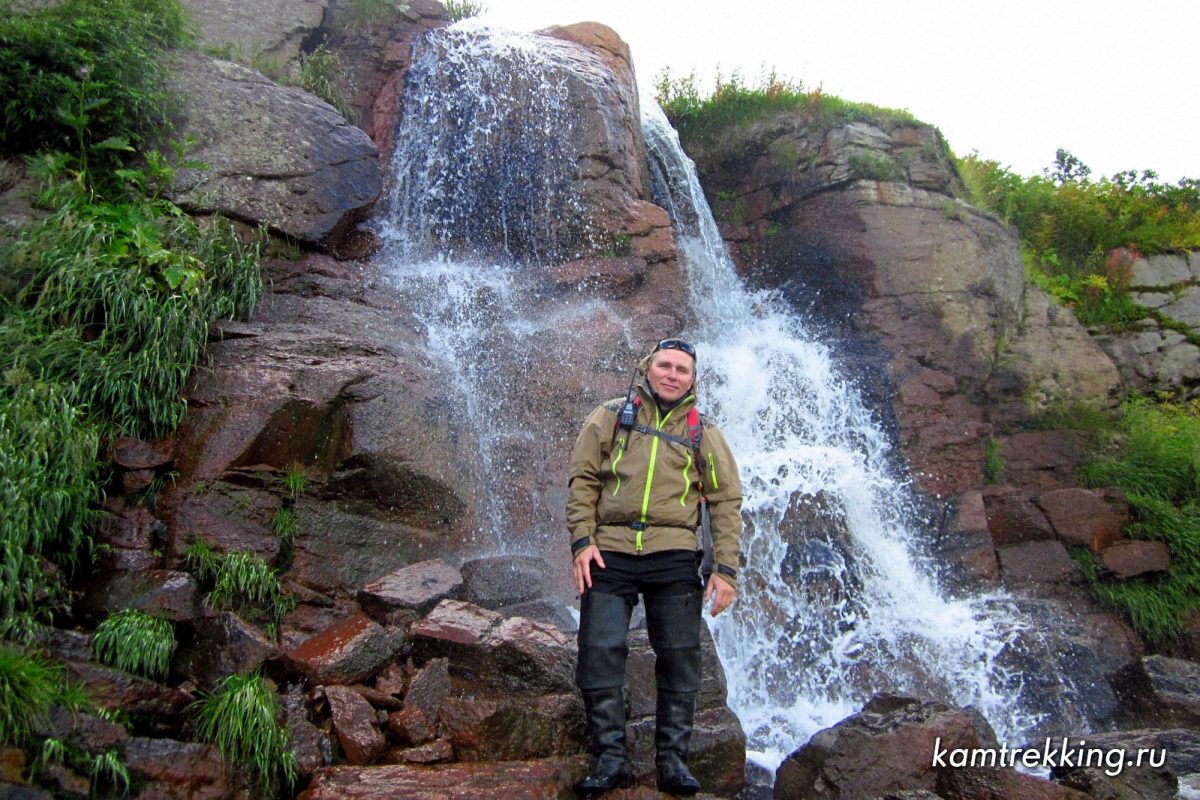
point(836, 601)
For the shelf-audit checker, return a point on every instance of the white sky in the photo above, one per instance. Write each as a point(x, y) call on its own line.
point(1117, 84)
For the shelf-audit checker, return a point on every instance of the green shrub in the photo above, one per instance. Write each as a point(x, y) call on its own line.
point(239, 580)
point(241, 717)
point(285, 524)
point(874, 166)
point(296, 480)
point(1158, 468)
point(28, 687)
point(136, 642)
point(96, 58)
point(319, 73)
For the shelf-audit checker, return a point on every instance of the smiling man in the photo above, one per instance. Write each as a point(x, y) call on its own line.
point(637, 480)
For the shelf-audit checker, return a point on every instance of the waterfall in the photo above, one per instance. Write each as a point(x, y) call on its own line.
point(836, 601)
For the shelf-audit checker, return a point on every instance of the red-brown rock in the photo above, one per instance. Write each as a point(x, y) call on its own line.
point(429, 687)
point(173, 595)
point(979, 783)
point(514, 728)
point(415, 589)
point(12, 764)
point(1042, 459)
point(1131, 557)
point(455, 623)
point(411, 726)
point(354, 723)
point(1038, 562)
point(224, 645)
point(717, 754)
point(130, 453)
point(432, 753)
point(1160, 692)
point(888, 746)
point(530, 655)
point(114, 690)
point(228, 518)
point(546, 779)
point(306, 740)
point(1086, 518)
point(177, 770)
point(1013, 518)
point(347, 652)
point(610, 278)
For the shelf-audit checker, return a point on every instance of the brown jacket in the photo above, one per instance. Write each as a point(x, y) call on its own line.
point(635, 477)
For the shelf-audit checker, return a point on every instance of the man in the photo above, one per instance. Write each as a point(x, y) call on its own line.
point(632, 511)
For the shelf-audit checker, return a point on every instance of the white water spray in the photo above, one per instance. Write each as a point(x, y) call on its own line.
point(835, 602)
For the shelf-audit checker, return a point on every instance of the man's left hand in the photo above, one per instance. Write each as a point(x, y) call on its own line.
point(721, 591)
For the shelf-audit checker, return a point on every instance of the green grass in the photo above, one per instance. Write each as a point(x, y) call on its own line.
point(241, 717)
point(368, 14)
point(296, 480)
point(136, 642)
point(993, 464)
point(319, 73)
point(462, 9)
point(1158, 467)
point(734, 104)
point(285, 524)
point(28, 687)
point(239, 580)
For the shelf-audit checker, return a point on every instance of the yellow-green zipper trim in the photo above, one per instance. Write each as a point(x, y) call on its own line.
point(622, 446)
point(687, 483)
point(712, 470)
point(659, 422)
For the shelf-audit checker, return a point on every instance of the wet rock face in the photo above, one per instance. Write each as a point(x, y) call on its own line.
point(309, 174)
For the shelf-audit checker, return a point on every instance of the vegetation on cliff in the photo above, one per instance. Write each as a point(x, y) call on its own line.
point(1158, 467)
point(105, 308)
point(1081, 236)
point(735, 103)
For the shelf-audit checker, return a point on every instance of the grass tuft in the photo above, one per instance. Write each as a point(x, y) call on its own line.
point(136, 642)
point(241, 717)
point(28, 687)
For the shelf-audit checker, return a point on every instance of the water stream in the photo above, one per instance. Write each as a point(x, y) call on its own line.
point(836, 602)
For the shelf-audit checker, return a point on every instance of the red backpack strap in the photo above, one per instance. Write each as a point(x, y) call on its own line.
point(695, 430)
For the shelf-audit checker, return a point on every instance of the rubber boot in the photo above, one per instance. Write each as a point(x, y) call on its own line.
point(673, 622)
point(600, 675)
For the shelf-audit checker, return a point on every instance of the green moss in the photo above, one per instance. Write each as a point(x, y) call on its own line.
point(993, 464)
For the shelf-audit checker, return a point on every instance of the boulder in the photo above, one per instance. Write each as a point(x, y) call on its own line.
point(436, 752)
point(981, 783)
point(164, 706)
point(514, 654)
point(1086, 517)
point(354, 722)
point(1042, 562)
point(428, 688)
point(158, 592)
point(716, 755)
point(223, 645)
point(501, 581)
point(411, 726)
point(1159, 691)
point(347, 652)
point(414, 589)
point(226, 517)
point(1042, 459)
point(1163, 270)
point(131, 453)
point(82, 731)
point(174, 769)
point(542, 779)
point(309, 174)
point(1013, 518)
point(1131, 557)
point(514, 727)
point(272, 31)
point(888, 746)
point(310, 744)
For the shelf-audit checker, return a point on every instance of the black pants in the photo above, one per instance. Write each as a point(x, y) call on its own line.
point(670, 579)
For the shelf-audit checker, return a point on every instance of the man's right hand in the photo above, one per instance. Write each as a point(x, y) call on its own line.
point(583, 567)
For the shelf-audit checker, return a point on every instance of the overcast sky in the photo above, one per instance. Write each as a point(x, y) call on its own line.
point(1117, 84)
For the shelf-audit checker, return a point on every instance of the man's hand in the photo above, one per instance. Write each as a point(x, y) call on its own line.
point(718, 588)
point(583, 567)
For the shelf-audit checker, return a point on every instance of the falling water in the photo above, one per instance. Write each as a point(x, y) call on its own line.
point(836, 601)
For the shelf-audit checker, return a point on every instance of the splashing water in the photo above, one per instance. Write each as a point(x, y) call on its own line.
point(835, 602)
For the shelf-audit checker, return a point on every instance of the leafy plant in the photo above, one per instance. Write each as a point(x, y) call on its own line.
point(82, 72)
point(202, 560)
point(106, 769)
point(136, 642)
point(462, 9)
point(285, 524)
point(873, 166)
point(239, 579)
point(241, 717)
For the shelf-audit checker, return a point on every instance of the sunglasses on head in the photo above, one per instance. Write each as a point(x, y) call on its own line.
point(677, 344)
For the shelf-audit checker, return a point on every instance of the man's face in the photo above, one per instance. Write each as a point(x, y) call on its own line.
point(671, 374)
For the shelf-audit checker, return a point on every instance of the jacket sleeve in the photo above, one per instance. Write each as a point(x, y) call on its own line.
point(585, 478)
point(723, 488)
